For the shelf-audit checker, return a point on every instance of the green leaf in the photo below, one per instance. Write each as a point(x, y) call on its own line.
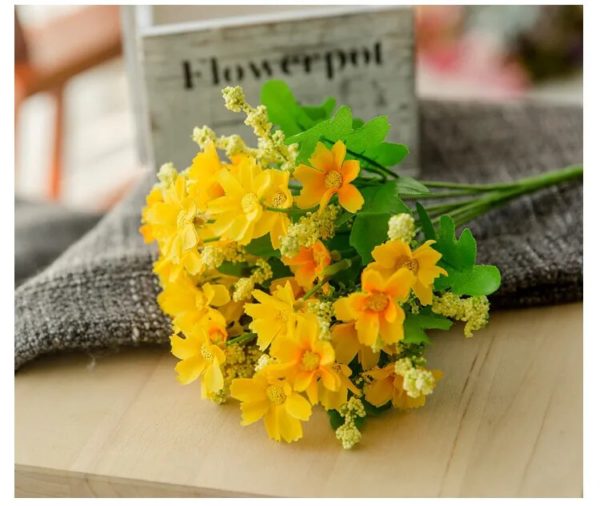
point(371, 223)
point(368, 135)
point(238, 269)
point(262, 247)
point(320, 112)
point(280, 270)
point(383, 198)
point(409, 186)
point(335, 419)
point(376, 410)
point(333, 129)
point(387, 153)
point(369, 230)
point(415, 326)
point(282, 108)
point(459, 253)
point(285, 111)
point(472, 281)
point(425, 223)
point(343, 218)
point(458, 258)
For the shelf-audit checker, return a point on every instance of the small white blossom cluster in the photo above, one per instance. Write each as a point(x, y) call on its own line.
point(475, 311)
point(242, 290)
point(348, 433)
point(323, 310)
point(401, 226)
point(417, 381)
point(308, 230)
point(263, 361)
point(272, 148)
point(167, 175)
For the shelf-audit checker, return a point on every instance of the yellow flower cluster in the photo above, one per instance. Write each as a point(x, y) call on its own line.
point(251, 271)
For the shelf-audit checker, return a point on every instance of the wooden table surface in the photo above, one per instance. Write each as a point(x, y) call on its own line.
point(506, 420)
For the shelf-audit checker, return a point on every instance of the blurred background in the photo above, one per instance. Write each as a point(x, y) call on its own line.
point(474, 52)
point(76, 133)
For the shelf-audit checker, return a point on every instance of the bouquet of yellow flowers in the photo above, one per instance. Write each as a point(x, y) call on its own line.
point(296, 274)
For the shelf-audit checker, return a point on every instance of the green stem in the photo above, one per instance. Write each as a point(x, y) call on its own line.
point(438, 195)
point(467, 211)
point(328, 273)
point(534, 182)
point(241, 339)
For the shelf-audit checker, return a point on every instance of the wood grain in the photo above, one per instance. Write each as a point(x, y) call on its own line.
point(506, 420)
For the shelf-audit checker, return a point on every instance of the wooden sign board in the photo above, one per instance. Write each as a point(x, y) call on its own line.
point(362, 56)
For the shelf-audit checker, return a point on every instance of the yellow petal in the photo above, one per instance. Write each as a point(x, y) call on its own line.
point(379, 392)
point(190, 369)
point(343, 310)
point(184, 348)
point(345, 341)
point(338, 151)
point(271, 421)
point(213, 377)
point(367, 328)
point(290, 427)
point(298, 407)
point(220, 295)
point(350, 198)
point(253, 411)
point(248, 389)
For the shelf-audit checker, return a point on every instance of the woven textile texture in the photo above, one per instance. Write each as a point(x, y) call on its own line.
point(43, 231)
point(101, 293)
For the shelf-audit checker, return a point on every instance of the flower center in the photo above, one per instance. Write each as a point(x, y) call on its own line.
point(278, 199)
point(206, 353)
point(250, 203)
point(310, 361)
point(333, 180)
point(276, 394)
point(217, 334)
point(411, 264)
point(377, 302)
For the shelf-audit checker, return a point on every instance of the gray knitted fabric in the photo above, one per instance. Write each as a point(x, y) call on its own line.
point(43, 231)
point(101, 292)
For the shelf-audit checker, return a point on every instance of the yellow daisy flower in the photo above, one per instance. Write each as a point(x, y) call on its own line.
point(176, 223)
point(329, 175)
point(199, 358)
point(344, 339)
point(308, 265)
point(188, 305)
point(307, 360)
point(273, 400)
point(274, 316)
point(335, 399)
point(375, 310)
point(387, 385)
point(240, 214)
point(394, 255)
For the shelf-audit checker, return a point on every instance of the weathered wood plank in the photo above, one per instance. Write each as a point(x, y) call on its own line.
point(364, 59)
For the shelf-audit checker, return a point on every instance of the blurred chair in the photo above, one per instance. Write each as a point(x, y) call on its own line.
point(48, 56)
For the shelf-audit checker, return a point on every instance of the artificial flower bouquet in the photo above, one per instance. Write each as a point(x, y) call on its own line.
point(296, 273)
